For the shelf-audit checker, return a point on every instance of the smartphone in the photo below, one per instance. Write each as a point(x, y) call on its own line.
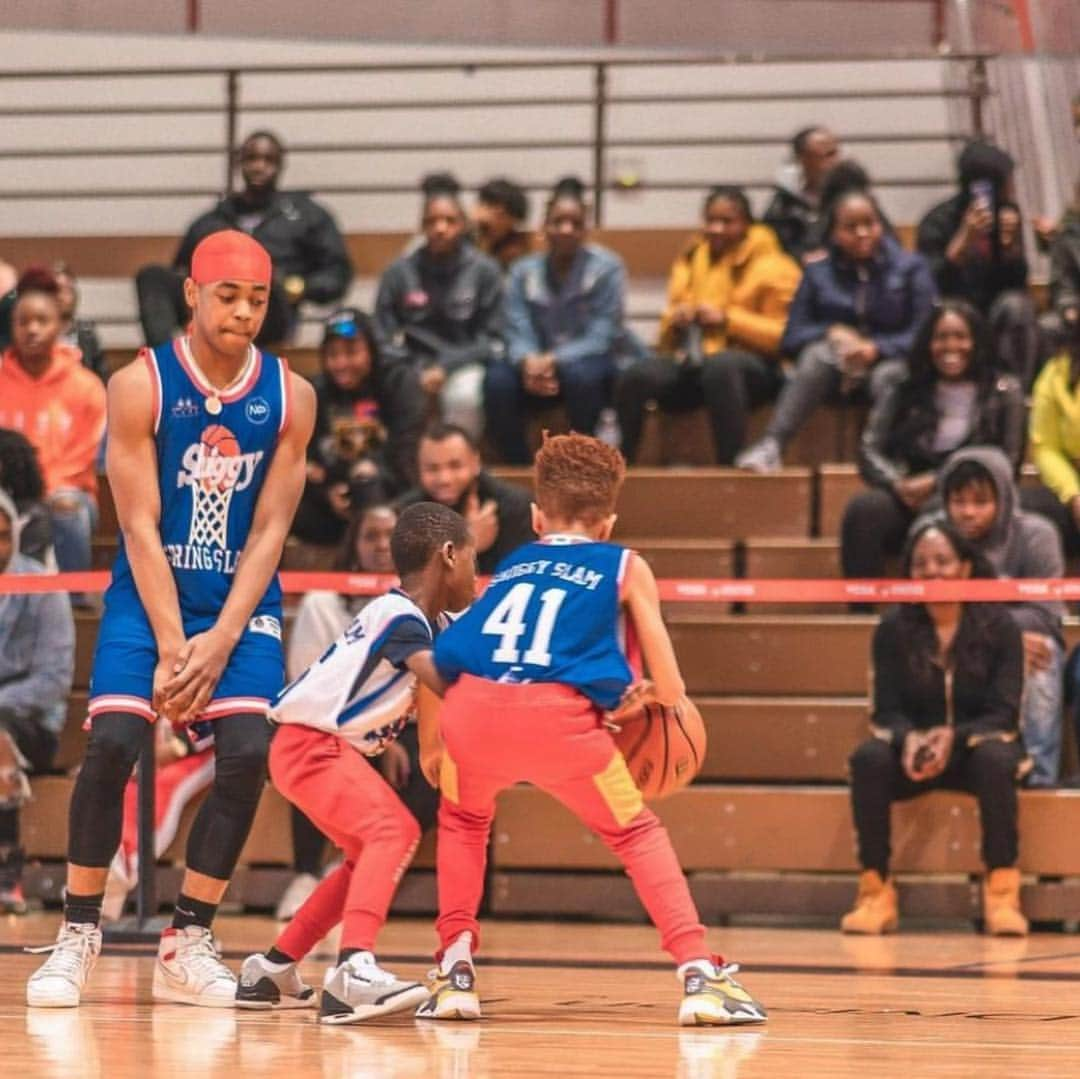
point(982, 193)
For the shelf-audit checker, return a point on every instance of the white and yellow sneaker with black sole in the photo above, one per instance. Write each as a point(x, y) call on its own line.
point(712, 996)
point(452, 993)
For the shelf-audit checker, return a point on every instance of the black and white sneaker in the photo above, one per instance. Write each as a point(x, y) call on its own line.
point(360, 989)
point(265, 985)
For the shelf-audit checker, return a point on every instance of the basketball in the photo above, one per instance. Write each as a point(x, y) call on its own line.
point(220, 438)
point(664, 748)
point(218, 442)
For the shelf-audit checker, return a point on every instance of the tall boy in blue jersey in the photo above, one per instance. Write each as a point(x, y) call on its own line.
point(533, 666)
point(206, 461)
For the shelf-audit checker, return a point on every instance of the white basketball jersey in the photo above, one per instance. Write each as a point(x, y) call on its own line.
point(360, 688)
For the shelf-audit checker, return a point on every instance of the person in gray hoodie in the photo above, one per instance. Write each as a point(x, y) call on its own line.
point(980, 499)
point(37, 659)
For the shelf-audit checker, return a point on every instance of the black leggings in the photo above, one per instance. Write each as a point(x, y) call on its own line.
point(987, 770)
point(224, 820)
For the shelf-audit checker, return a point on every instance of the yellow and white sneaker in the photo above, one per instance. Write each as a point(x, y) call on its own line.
point(712, 996)
point(452, 993)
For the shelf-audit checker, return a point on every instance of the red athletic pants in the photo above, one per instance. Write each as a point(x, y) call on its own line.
point(350, 803)
point(551, 736)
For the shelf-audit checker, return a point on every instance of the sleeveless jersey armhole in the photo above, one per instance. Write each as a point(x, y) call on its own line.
point(147, 356)
point(286, 396)
point(626, 563)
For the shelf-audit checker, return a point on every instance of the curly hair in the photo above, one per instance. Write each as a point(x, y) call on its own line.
point(38, 279)
point(20, 474)
point(577, 478)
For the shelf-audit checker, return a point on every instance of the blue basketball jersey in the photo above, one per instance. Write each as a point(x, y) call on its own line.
point(552, 613)
point(213, 452)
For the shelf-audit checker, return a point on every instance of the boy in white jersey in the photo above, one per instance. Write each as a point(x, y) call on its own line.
point(347, 706)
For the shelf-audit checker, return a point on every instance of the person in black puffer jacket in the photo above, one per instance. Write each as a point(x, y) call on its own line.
point(952, 397)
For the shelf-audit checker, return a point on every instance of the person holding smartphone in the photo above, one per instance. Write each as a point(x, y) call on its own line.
point(975, 246)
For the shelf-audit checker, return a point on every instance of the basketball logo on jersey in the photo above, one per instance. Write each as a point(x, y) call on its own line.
point(214, 469)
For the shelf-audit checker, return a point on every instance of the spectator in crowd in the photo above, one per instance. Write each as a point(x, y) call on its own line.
point(47, 394)
point(308, 250)
point(846, 175)
point(728, 299)
point(20, 478)
point(439, 308)
point(795, 209)
point(368, 420)
point(951, 397)
point(500, 219)
point(564, 329)
point(80, 332)
point(946, 679)
point(975, 246)
point(982, 503)
point(854, 310)
point(1055, 443)
point(1063, 319)
point(9, 277)
point(321, 618)
point(499, 514)
point(37, 659)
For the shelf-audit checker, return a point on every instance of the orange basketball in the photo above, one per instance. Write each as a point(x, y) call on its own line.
point(219, 437)
point(664, 748)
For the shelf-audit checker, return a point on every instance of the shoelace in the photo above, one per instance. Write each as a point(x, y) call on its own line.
point(200, 954)
point(69, 952)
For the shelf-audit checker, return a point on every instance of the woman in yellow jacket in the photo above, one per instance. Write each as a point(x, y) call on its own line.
point(1055, 445)
point(728, 299)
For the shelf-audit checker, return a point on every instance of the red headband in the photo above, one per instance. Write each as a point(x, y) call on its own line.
point(230, 256)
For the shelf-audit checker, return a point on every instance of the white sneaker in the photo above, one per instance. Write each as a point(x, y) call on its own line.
point(267, 985)
point(360, 989)
point(189, 970)
point(59, 981)
point(295, 896)
point(762, 456)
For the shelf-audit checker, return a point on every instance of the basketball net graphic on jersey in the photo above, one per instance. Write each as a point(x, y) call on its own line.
point(214, 469)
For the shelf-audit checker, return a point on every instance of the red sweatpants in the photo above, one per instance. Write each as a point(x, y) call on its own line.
point(551, 736)
point(351, 804)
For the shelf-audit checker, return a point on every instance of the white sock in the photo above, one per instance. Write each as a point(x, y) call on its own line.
point(460, 950)
point(705, 965)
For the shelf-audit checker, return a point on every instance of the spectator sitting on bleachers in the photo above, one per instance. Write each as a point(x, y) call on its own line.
point(952, 397)
point(37, 659)
point(795, 209)
point(728, 299)
point(1055, 443)
point(321, 618)
point(368, 420)
point(975, 246)
point(982, 503)
point(80, 332)
point(946, 680)
point(499, 220)
point(8, 279)
point(1061, 321)
point(47, 394)
point(439, 308)
point(20, 478)
point(846, 175)
point(565, 329)
point(499, 514)
point(852, 323)
point(308, 251)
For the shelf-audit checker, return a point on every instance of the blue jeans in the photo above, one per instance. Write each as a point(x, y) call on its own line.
point(585, 388)
point(74, 517)
point(1040, 718)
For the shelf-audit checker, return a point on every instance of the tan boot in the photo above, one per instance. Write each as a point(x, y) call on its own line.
point(876, 909)
point(1001, 904)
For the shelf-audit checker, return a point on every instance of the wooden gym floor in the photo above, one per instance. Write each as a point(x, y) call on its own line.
point(573, 999)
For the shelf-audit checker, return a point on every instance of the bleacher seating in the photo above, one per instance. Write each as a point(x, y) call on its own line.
point(783, 694)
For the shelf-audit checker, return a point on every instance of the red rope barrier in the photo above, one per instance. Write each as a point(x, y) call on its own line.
point(672, 590)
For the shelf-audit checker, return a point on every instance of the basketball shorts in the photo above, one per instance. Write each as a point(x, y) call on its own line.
point(126, 655)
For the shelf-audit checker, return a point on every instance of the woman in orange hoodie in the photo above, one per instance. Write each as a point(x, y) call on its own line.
point(47, 395)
